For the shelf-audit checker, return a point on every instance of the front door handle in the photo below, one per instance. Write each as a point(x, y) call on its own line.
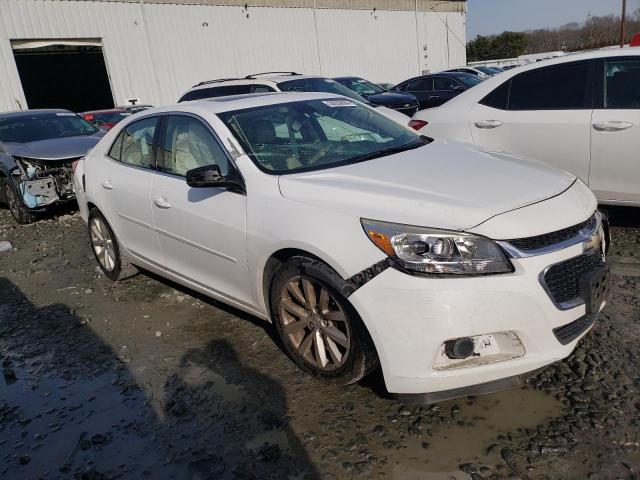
point(434, 97)
point(612, 126)
point(161, 202)
point(487, 124)
point(107, 185)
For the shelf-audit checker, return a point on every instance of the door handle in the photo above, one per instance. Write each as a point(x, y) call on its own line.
point(107, 185)
point(612, 126)
point(161, 202)
point(487, 124)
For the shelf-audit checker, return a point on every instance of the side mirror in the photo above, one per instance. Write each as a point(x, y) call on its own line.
point(459, 88)
point(210, 176)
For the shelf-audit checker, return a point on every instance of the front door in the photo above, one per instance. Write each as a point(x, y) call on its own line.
point(615, 133)
point(201, 230)
point(422, 89)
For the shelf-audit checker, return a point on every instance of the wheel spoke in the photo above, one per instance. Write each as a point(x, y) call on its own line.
point(293, 309)
point(334, 351)
point(324, 300)
point(295, 327)
point(334, 316)
point(309, 293)
point(337, 336)
point(294, 289)
point(96, 233)
point(319, 351)
point(305, 346)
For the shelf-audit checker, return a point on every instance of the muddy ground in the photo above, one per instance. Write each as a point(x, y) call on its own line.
point(144, 379)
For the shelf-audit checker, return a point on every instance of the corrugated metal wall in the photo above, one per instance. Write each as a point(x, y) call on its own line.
point(155, 51)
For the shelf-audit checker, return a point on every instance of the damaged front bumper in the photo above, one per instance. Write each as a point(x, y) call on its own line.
point(44, 182)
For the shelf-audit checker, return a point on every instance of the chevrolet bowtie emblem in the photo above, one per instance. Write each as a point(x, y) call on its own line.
point(593, 243)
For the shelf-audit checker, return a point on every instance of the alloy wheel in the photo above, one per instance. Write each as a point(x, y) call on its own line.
point(103, 244)
point(315, 324)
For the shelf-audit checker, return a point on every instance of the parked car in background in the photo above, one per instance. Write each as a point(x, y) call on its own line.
point(476, 72)
point(359, 239)
point(37, 151)
point(579, 112)
point(399, 101)
point(105, 119)
point(280, 82)
point(434, 90)
point(135, 108)
point(490, 71)
point(386, 86)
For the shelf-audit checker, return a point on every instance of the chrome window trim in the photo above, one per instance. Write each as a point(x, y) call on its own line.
point(582, 236)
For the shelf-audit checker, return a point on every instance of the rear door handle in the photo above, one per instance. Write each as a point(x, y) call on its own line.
point(161, 202)
point(106, 184)
point(486, 124)
point(612, 126)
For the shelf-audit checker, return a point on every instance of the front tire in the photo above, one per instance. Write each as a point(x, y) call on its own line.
point(317, 325)
point(107, 250)
point(19, 211)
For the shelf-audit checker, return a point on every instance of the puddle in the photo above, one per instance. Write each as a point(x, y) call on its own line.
point(482, 423)
point(199, 376)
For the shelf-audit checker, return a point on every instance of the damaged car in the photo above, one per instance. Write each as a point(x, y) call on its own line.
point(38, 149)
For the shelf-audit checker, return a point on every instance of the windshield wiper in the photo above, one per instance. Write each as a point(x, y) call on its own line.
point(389, 151)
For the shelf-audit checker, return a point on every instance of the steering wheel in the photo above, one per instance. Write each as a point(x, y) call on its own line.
point(323, 152)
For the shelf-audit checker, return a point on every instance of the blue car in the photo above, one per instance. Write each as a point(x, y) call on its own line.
point(38, 149)
point(400, 101)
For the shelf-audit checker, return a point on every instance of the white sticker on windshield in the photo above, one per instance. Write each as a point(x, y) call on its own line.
point(338, 103)
point(65, 114)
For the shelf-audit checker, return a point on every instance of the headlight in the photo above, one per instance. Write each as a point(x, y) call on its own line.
point(432, 251)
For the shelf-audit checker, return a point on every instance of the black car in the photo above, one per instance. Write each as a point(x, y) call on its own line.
point(434, 90)
point(399, 101)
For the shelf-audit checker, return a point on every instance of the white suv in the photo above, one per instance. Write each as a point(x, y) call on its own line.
point(361, 241)
point(282, 82)
point(579, 112)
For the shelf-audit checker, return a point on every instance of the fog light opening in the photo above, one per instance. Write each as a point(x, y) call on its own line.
point(460, 348)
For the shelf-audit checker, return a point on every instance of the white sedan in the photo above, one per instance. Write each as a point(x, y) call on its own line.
point(578, 112)
point(363, 242)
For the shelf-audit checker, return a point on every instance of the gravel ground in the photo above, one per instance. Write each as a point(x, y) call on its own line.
point(144, 379)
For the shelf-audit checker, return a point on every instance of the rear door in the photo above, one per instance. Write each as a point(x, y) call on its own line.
point(201, 230)
point(543, 113)
point(615, 131)
point(422, 89)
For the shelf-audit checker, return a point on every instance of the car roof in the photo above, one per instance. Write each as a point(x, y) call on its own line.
point(239, 102)
point(106, 110)
point(31, 113)
point(265, 80)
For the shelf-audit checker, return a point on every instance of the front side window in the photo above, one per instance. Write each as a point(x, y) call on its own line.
point(134, 145)
point(33, 127)
point(562, 87)
point(317, 134)
point(420, 85)
point(189, 144)
point(444, 83)
point(622, 83)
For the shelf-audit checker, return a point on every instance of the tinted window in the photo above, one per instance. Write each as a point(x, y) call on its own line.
point(622, 83)
point(420, 85)
point(444, 83)
point(43, 126)
point(189, 144)
point(498, 98)
point(137, 143)
point(326, 85)
point(562, 87)
point(224, 90)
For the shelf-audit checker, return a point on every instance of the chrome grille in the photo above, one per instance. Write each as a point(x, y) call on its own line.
point(547, 239)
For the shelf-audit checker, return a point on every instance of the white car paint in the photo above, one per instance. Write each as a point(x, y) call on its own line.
point(218, 242)
point(598, 145)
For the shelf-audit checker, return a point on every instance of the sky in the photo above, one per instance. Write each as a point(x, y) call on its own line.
point(485, 17)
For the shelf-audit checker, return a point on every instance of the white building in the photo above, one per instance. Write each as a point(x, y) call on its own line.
point(83, 54)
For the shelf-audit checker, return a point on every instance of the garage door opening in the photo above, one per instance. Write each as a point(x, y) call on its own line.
point(63, 74)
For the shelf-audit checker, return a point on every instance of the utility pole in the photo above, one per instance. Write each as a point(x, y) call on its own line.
point(622, 22)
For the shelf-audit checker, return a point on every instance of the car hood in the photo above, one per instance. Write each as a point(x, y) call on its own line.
point(55, 148)
point(391, 98)
point(443, 185)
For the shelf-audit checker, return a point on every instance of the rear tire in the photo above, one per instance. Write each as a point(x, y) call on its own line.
point(107, 249)
point(320, 330)
point(18, 209)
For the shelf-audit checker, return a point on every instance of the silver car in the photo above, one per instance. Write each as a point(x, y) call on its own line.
point(38, 149)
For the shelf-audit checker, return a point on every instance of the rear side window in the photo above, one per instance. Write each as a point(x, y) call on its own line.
point(134, 145)
point(498, 98)
point(622, 83)
point(562, 87)
point(224, 90)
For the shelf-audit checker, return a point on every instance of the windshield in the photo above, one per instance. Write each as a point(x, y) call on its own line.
point(468, 79)
point(31, 128)
point(360, 86)
point(107, 117)
point(325, 85)
point(316, 134)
